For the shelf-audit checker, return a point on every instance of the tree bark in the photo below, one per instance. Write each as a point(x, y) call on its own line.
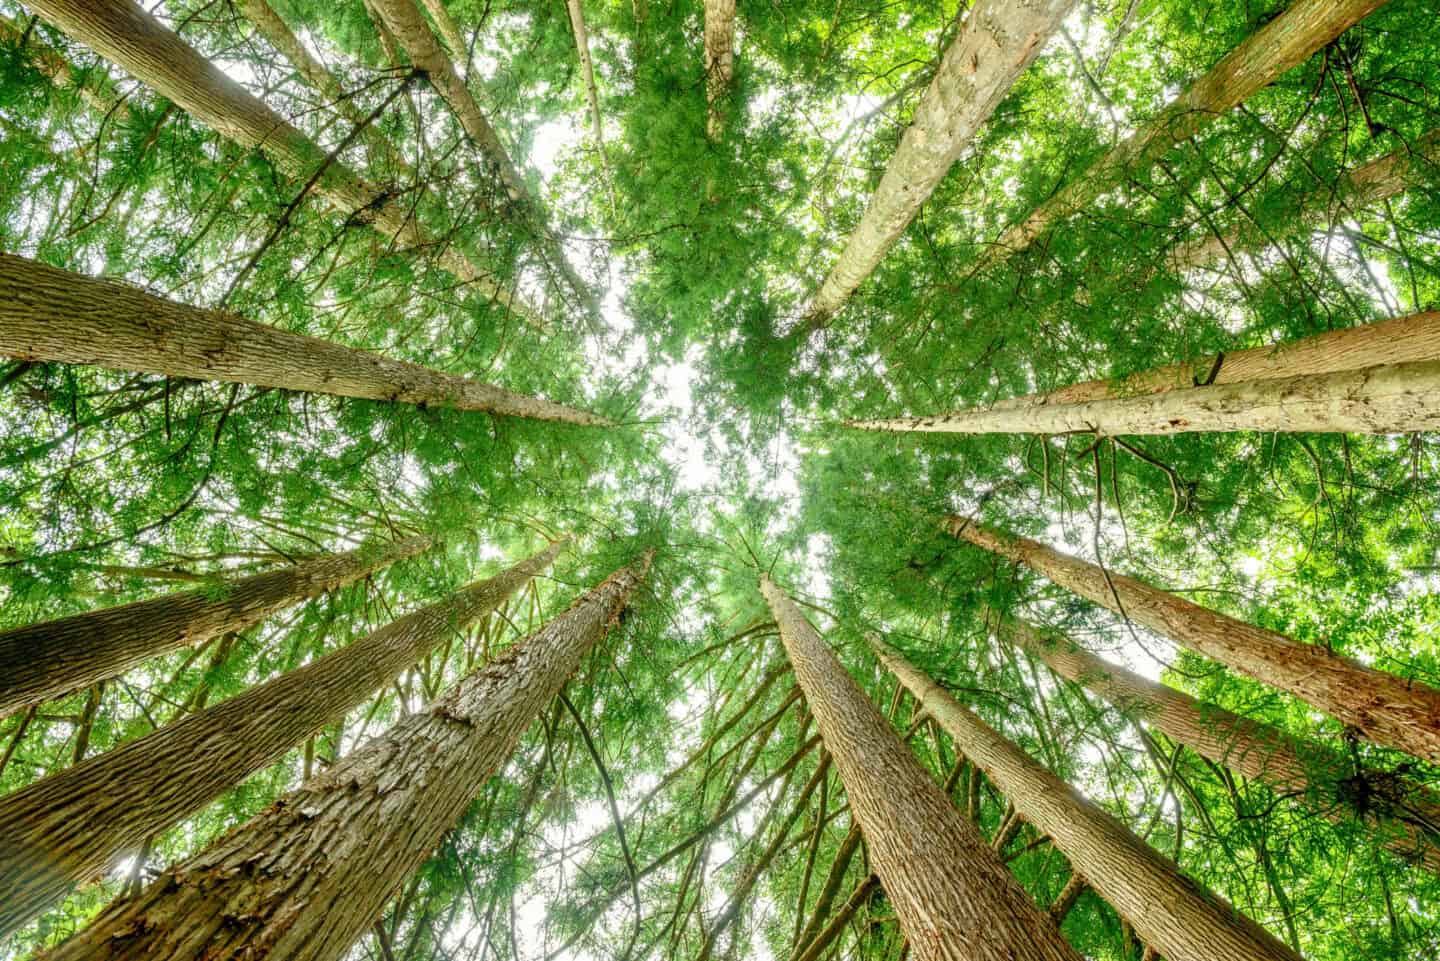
point(53, 658)
point(719, 62)
point(1282, 44)
point(1167, 909)
point(1392, 711)
point(306, 877)
point(955, 899)
point(997, 42)
point(1404, 815)
point(587, 72)
point(449, 32)
point(73, 825)
point(47, 314)
point(1383, 399)
point(121, 31)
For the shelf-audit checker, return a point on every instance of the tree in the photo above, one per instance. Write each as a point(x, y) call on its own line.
point(429, 766)
point(719, 62)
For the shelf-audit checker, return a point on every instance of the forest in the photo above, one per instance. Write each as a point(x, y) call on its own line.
point(719, 480)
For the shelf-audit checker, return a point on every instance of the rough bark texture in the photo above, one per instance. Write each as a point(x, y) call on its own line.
point(1404, 816)
point(122, 32)
point(307, 876)
point(47, 314)
point(955, 899)
point(1389, 710)
point(53, 658)
point(1167, 909)
point(1383, 399)
point(73, 825)
point(1283, 43)
point(997, 42)
point(719, 62)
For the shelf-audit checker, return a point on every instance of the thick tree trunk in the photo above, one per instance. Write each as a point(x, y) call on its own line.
point(1283, 43)
point(1404, 816)
point(75, 824)
point(1392, 711)
point(1383, 399)
point(955, 899)
point(1167, 909)
point(47, 314)
point(121, 31)
point(997, 42)
point(53, 658)
point(306, 877)
point(719, 62)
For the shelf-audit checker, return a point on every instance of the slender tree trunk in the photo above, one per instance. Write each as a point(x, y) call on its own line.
point(46, 660)
point(73, 825)
point(1283, 43)
point(719, 62)
point(1389, 710)
point(1404, 816)
point(996, 43)
point(1383, 399)
point(1167, 909)
point(306, 877)
point(1367, 184)
point(587, 72)
point(121, 31)
point(449, 32)
point(836, 876)
point(955, 899)
point(47, 314)
point(815, 949)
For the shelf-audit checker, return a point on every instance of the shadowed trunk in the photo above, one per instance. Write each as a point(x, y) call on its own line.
point(719, 62)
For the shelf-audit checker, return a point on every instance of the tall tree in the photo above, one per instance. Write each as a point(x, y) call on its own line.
point(997, 41)
point(719, 62)
point(52, 658)
point(1168, 910)
point(76, 823)
point(48, 314)
point(1404, 815)
point(587, 73)
point(1282, 44)
point(954, 897)
point(348, 838)
point(123, 32)
point(1393, 711)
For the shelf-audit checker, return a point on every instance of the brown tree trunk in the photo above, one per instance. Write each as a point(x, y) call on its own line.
point(719, 62)
point(955, 899)
point(1389, 710)
point(47, 314)
point(306, 877)
point(121, 31)
point(1404, 816)
point(1282, 44)
point(53, 658)
point(997, 42)
point(1181, 918)
point(1383, 399)
point(73, 825)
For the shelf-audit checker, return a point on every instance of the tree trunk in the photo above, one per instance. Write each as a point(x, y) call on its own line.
point(997, 42)
point(73, 825)
point(1166, 908)
point(955, 899)
point(50, 659)
point(449, 32)
point(122, 32)
point(1283, 43)
point(306, 877)
point(47, 314)
point(1404, 815)
point(1392, 711)
point(719, 62)
point(1383, 399)
point(587, 72)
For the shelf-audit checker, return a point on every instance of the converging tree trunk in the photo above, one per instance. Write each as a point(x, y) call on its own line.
point(1404, 815)
point(719, 62)
point(121, 31)
point(1168, 910)
point(306, 877)
point(955, 899)
point(1392, 711)
point(75, 824)
point(1282, 44)
point(997, 41)
point(47, 314)
point(53, 658)
point(587, 73)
